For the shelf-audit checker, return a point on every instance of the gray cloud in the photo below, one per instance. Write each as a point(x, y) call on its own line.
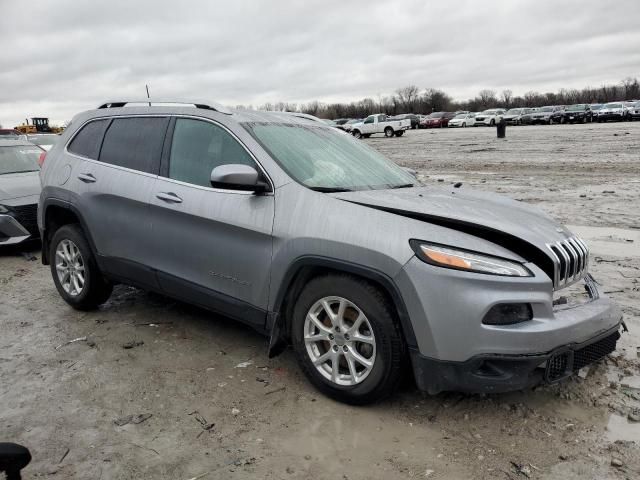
point(62, 57)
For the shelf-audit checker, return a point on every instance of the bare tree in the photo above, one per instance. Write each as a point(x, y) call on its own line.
point(407, 97)
point(507, 97)
point(487, 98)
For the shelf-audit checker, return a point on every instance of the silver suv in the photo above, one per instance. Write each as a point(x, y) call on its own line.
point(317, 240)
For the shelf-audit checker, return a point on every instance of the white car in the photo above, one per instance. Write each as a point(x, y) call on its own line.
point(614, 111)
point(380, 123)
point(488, 117)
point(463, 120)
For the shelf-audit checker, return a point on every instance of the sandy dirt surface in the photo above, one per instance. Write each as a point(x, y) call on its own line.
point(196, 397)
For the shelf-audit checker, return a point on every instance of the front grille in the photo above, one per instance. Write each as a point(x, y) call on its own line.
point(595, 351)
point(27, 216)
point(557, 367)
point(571, 260)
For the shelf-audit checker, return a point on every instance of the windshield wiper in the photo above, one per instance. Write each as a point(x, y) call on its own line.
point(330, 189)
point(404, 185)
point(18, 171)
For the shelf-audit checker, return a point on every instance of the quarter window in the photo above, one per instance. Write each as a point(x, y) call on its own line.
point(87, 141)
point(198, 147)
point(135, 143)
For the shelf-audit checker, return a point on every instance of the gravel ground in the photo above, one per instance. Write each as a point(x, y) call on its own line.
point(195, 395)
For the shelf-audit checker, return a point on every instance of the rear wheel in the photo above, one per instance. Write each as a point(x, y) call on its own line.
point(74, 269)
point(388, 132)
point(346, 339)
point(357, 134)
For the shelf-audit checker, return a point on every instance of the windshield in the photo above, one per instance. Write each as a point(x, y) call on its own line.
point(613, 105)
point(546, 109)
point(489, 112)
point(596, 106)
point(328, 160)
point(436, 115)
point(43, 139)
point(461, 115)
point(514, 111)
point(18, 159)
point(576, 108)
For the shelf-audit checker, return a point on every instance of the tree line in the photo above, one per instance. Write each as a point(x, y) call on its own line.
point(411, 99)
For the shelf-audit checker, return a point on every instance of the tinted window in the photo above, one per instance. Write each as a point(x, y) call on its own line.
point(135, 143)
point(198, 147)
point(87, 140)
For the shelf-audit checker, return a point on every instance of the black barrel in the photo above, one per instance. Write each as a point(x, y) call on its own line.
point(501, 128)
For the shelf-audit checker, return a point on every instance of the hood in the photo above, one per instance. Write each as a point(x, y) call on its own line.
point(17, 185)
point(519, 227)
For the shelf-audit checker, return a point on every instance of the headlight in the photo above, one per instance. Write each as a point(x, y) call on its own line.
point(457, 259)
point(3, 209)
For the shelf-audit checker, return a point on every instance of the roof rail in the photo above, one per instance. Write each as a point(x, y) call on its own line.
point(303, 115)
point(163, 102)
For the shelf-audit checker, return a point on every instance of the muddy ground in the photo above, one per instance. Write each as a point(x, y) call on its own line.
point(220, 409)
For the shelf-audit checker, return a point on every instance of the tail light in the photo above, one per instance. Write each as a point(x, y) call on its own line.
point(42, 158)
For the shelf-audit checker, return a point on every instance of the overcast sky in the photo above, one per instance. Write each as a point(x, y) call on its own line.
point(60, 57)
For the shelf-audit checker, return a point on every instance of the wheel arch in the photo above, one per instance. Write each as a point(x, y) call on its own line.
point(58, 213)
point(304, 269)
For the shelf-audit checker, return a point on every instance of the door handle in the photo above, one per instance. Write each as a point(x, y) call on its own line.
point(169, 197)
point(87, 178)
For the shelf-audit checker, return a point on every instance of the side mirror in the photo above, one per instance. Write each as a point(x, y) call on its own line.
point(238, 177)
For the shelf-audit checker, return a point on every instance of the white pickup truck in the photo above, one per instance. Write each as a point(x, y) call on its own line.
point(379, 123)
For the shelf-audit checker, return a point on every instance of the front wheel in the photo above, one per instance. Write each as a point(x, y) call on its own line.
point(388, 132)
point(399, 133)
point(464, 125)
point(74, 269)
point(492, 123)
point(357, 134)
point(346, 339)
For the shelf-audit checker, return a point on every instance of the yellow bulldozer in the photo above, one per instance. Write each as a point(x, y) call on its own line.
point(38, 125)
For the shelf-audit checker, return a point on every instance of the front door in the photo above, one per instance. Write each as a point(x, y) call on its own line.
point(211, 246)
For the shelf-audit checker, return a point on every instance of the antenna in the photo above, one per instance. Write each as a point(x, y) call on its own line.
point(147, 87)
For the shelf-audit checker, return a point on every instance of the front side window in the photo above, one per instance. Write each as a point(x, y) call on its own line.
point(326, 160)
point(135, 143)
point(198, 147)
point(369, 119)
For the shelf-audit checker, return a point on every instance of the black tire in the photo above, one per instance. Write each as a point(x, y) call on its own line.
point(399, 133)
point(388, 132)
point(357, 134)
point(492, 123)
point(96, 289)
point(386, 373)
point(366, 135)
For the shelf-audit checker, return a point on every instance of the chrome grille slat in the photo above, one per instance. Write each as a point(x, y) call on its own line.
point(571, 261)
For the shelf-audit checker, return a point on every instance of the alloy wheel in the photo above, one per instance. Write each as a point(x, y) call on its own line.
point(339, 341)
point(70, 267)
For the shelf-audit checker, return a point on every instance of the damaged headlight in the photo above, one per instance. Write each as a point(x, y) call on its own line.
point(458, 259)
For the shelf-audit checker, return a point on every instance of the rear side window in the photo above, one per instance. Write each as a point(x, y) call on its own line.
point(87, 141)
point(135, 143)
point(198, 147)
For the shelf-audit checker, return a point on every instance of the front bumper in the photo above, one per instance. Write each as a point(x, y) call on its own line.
point(611, 116)
point(506, 373)
point(18, 225)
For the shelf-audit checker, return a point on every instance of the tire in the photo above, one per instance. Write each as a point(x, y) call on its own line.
point(492, 123)
point(388, 132)
point(464, 125)
point(366, 135)
point(399, 133)
point(357, 134)
point(94, 288)
point(355, 387)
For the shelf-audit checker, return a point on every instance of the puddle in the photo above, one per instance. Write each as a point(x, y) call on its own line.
point(619, 428)
point(617, 242)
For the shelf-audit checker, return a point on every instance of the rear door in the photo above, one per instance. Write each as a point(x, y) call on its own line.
point(211, 246)
point(115, 200)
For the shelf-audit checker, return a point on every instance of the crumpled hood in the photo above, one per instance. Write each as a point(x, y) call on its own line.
point(17, 185)
point(466, 210)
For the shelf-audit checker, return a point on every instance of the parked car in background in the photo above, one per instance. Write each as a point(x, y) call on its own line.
point(415, 120)
point(437, 120)
point(513, 116)
point(349, 125)
point(380, 123)
point(320, 242)
point(488, 117)
point(10, 133)
point(615, 111)
point(463, 120)
point(558, 115)
point(634, 111)
point(339, 122)
point(578, 113)
point(19, 190)
point(541, 116)
point(44, 140)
